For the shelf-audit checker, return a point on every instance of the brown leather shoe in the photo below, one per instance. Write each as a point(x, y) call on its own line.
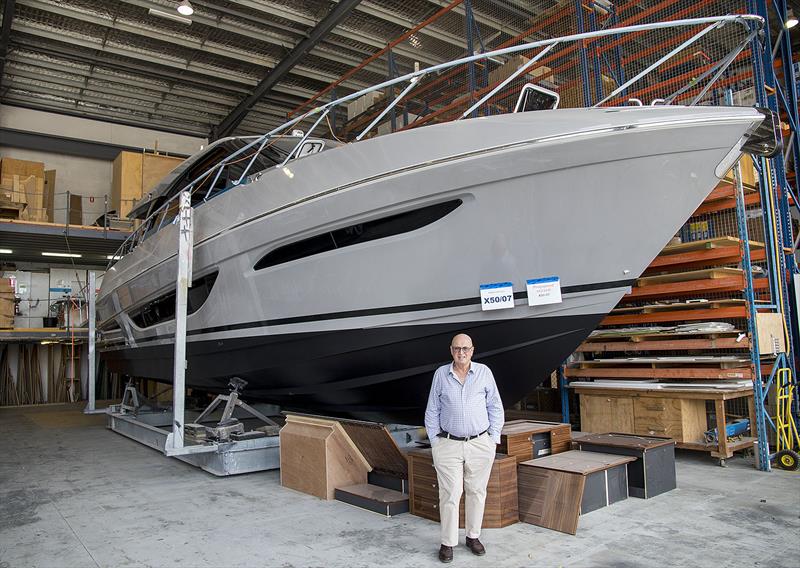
point(446, 553)
point(475, 546)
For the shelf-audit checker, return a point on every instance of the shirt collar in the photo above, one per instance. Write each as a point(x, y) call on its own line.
point(470, 370)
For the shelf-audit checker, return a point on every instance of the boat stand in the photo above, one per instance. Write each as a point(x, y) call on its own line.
point(222, 449)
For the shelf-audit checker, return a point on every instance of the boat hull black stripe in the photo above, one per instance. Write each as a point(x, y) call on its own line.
point(381, 374)
point(379, 311)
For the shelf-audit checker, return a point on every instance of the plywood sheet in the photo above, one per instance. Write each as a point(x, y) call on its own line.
point(606, 413)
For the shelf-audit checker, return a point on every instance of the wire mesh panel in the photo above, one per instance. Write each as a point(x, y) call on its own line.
point(583, 73)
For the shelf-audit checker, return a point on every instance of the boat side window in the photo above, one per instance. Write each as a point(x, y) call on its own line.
point(358, 233)
point(163, 308)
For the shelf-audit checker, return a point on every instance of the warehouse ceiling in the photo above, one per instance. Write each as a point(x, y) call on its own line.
point(131, 61)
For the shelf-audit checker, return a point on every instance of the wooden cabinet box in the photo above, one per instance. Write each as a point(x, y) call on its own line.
point(501, 492)
point(555, 490)
point(317, 456)
point(653, 472)
point(529, 439)
point(681, 419)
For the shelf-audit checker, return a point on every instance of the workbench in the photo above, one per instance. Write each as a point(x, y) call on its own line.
point(674, 412)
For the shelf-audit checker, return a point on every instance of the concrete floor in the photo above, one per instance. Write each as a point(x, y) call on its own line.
point(73, 493)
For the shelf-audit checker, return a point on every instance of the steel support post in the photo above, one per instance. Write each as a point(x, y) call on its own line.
point(390, 98)
point(760, 427)
point(587, 99)
point(597, 67)
point(470, 52)
point(773, 177)
point(185, 241)
point(618, 53)
point(90, 296)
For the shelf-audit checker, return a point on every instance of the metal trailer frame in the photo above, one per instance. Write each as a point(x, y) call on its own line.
point(151, 426)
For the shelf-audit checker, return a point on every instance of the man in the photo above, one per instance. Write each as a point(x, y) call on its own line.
point(463, 420)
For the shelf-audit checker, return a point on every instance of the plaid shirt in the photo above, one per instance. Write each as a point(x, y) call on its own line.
point(464, 410)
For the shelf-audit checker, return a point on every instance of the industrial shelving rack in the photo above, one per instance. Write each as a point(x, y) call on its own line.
point(777, 91)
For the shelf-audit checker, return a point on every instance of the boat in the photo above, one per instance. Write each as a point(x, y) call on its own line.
point(332, 277)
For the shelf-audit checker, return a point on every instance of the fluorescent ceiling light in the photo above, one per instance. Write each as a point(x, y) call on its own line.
point(185, 9)
point(169, 16)
point(62, 254)
point(791, 19)
point(113, 257)
point(6, 251)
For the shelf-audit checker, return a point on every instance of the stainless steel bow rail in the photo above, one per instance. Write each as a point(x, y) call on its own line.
point(753, 25)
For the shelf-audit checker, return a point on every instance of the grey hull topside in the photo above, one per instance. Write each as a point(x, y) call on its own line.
point(587, 195)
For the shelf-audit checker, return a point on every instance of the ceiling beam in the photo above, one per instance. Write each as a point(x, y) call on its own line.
point(334, 17)
point(5, 33)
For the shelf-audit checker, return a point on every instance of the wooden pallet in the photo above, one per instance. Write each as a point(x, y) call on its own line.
point(738, 312)
point(673, 374)
point(727, 203)
point(706, 252)
point(637, 344)
point(698, 304)
point(732, 282)
point(723, 361)
point(690, 276)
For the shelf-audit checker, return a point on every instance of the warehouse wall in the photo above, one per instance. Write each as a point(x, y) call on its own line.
point(88, 177)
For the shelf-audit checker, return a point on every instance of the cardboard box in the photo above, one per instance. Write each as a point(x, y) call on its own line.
point(572, 97)
point(12, 167)
point(515, 62)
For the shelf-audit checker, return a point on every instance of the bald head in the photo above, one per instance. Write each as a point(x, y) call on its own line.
point(461, 348)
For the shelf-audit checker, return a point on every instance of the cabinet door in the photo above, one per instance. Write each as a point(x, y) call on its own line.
point(606, 413)
point(658, 417)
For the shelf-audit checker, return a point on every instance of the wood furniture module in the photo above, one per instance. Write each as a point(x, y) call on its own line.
point(555, 490)
point(674, 413)
point(317, 456)
point(653, 472)
point(381, 500)
point(529, 439)
point(501, 492)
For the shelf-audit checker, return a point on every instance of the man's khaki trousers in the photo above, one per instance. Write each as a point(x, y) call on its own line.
point(464, 465)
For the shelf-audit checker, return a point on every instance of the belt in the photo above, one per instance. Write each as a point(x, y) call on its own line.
point(449, 436)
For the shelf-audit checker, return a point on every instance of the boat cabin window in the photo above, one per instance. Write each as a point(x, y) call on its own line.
point(534, 97)
point(163, 308)
point(358, 233)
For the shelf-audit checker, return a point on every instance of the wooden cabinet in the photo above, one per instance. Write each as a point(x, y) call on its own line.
point(528, 439)
point(555, 490)
point(501, 493)
point(648, 414)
